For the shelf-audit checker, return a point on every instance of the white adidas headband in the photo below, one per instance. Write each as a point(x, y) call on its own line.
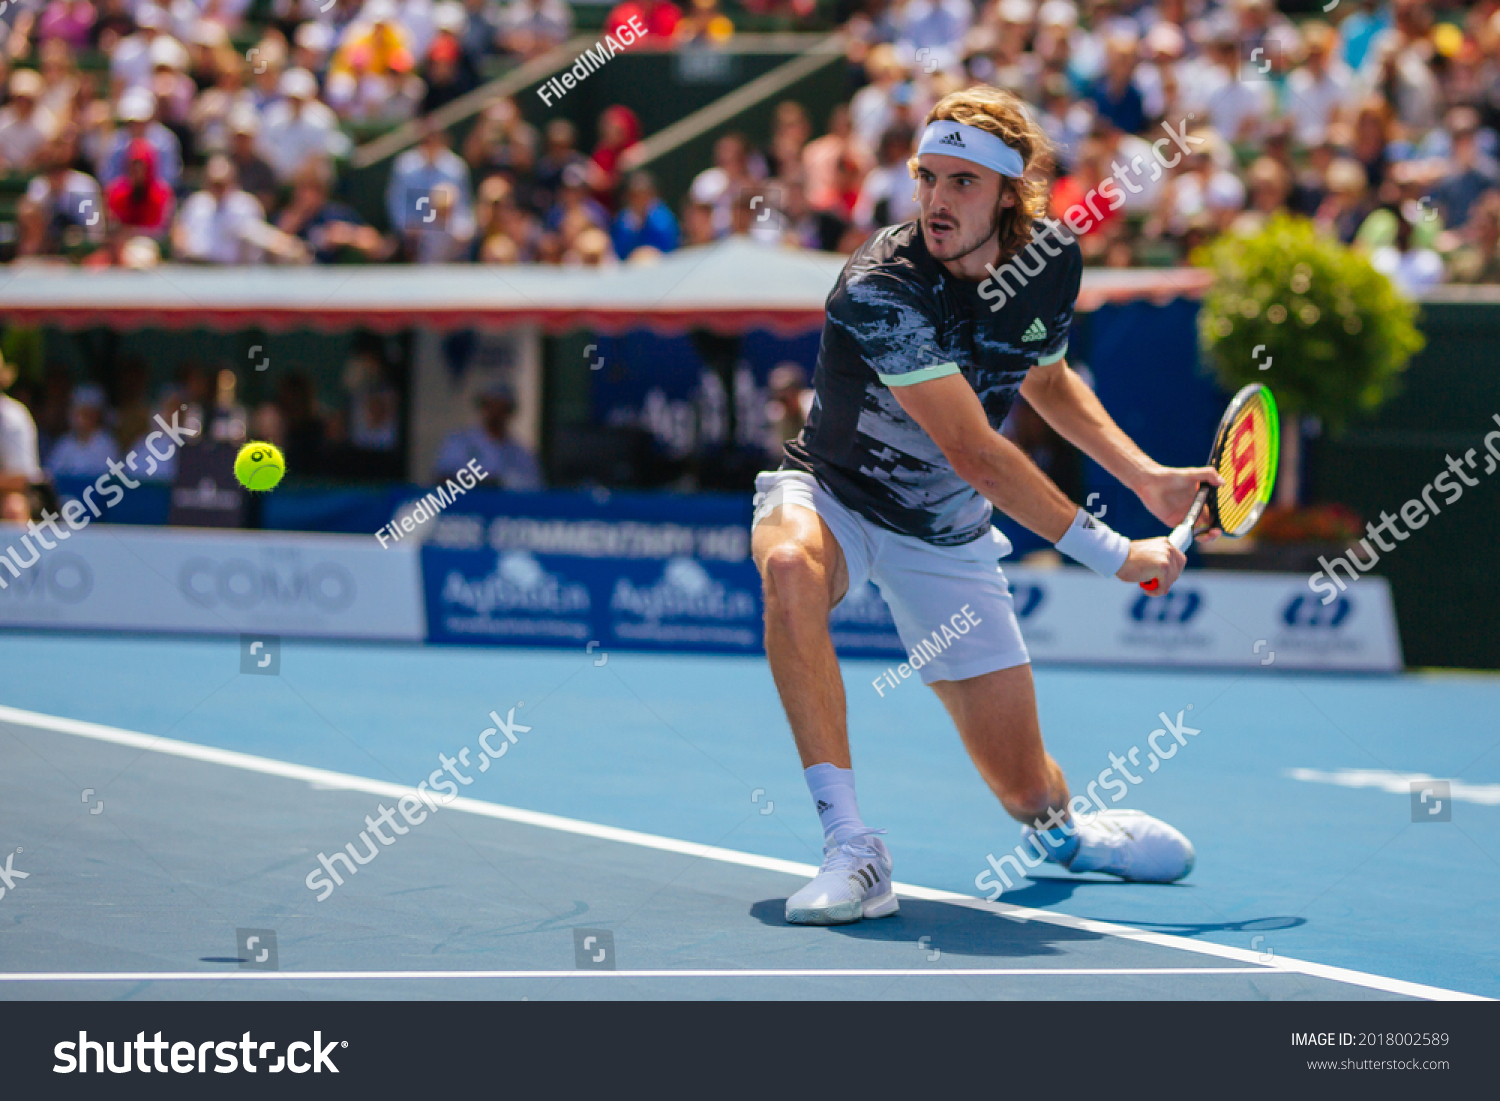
point(954, 139)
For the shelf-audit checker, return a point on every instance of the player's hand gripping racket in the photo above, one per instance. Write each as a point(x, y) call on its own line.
point(1244, 453)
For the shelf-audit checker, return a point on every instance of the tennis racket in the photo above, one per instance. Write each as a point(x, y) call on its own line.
point(1245, 454)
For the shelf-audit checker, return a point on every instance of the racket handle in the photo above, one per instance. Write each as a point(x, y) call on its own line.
point(1181, 538)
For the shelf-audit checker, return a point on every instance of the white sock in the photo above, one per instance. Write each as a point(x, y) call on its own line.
point(833, 794)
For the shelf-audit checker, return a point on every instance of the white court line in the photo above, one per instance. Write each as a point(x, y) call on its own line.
point(1398, 783)
point(345, 782)
point(797, 973)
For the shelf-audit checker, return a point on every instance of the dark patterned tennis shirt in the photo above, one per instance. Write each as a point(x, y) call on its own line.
point(897, 317)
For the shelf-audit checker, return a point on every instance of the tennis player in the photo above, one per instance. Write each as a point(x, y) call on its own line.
point(893, 479)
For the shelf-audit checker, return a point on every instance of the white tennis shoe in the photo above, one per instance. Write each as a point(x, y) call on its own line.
point(1126, 843)
point(854, 883)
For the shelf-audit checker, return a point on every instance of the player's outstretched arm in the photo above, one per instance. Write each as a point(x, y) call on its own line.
point(949, 411)
point(1065, 402)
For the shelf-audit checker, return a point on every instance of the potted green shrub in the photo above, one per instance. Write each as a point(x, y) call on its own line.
point(1314, 321)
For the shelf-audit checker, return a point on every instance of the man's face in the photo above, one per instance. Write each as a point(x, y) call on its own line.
point(496, 414)
point(960, 203)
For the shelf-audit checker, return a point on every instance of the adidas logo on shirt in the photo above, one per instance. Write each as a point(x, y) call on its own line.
point(822, 806)
point(954, 139)
point(1035, 331)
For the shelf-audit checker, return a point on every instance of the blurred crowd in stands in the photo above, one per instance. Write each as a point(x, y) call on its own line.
point(1377, 120)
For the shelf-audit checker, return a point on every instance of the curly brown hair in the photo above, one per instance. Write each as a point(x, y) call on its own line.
point(1004, 115)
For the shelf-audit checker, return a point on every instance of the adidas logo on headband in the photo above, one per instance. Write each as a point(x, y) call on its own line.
point(955, 139)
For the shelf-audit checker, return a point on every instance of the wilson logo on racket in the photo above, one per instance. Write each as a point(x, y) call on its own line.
point(1242, 453)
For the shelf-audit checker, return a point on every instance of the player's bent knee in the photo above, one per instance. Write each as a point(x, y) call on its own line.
point(794, 579)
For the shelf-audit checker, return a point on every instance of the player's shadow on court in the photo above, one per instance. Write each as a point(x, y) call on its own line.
point(952, 929)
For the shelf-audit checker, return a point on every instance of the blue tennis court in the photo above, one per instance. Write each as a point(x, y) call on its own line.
point(638, 832)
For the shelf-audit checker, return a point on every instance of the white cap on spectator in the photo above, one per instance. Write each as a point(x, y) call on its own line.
point(378, 11)
point(1225, 192)
point(207, 32)
point(1058, 13)
point(1017, 11)
point(167, 51)
point(244, 119)
point(27, 83)
point(450, 16)
point(1165, 38)
point(136, 105)
point(151, 16)
point(315, 36)
point(298, 84)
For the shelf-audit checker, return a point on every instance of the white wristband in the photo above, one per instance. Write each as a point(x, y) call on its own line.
point(1092, 542)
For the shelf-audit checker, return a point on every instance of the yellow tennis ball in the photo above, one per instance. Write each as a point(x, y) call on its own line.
point(259, 466)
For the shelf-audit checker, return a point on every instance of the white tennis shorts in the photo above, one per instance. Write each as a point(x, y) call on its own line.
point(952, 605)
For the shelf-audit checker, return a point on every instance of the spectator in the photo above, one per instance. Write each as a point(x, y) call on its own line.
point(1236, 108)
point(70, 22)
point(1319, 87)
point(1345, 208)
point(371, 75)
point(85, 452)
point(61, 83)
point(1477, 259)
point(217, 225)
point(619, 131)
point(377, 44)
point(502, 141)
point(173, 88)
point(926, 29)
point(732, 175)
point(820, 158)
point(644, 220)
point(1159, 81)
point(311, 46)
point(873, 108)
point(20, 466)
point(510, 234)
point(447, 72)
point(1374, 129)
point(25, 126)
point(430, 201)
point(697, 223)
point(69, 202)
point(1115, 94)
point(790, 132)
point(255, 175)
point(659, 17)
point(1465, 179)
point(888, 194)
point(1397, 66)
point(560, 152)
point(574, 212)
point(137, 110)
point(130, 58)
point(530, 28)
point(329, 229)
point(112, 26)
point(506, 463)
point(299, 128)
point(481, 33)
point(703, 25)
